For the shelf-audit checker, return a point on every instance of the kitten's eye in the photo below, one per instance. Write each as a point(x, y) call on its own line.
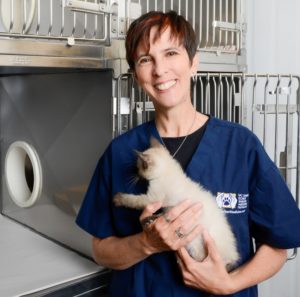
point(144, 164)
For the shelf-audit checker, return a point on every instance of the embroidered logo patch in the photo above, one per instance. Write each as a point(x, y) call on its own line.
point(232, 203)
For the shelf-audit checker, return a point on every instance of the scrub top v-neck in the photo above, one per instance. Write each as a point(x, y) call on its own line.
point(183, 152)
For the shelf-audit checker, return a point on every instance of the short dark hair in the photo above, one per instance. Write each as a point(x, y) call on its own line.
point(139, 31)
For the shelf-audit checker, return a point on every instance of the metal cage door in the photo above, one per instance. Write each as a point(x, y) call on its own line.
point(267, 104)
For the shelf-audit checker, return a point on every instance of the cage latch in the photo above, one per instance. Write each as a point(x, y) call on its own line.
point(87, 7)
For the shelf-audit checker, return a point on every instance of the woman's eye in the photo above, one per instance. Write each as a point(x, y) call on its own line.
point(144, 60)
point(171, 53)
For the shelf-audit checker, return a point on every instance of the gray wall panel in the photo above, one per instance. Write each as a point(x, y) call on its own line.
point(66, 118)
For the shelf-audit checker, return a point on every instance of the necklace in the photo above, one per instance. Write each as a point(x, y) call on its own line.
point(184, 139)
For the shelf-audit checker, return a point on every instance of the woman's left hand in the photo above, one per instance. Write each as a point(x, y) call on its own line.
point(209, 275)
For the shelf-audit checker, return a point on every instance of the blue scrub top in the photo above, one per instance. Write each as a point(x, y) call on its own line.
point(230, 162)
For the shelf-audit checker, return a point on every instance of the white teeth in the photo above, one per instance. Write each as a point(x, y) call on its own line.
point(166, 85)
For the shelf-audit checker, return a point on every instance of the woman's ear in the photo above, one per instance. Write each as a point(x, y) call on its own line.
point(195, 63)
point(134, 75)
point(154, 142)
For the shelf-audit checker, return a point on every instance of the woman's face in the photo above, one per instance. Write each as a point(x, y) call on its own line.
point(165, 71)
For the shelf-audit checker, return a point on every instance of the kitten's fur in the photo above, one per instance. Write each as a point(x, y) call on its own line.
point(169, 183)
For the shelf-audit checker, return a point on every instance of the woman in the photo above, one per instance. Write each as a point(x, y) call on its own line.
point(225, 158)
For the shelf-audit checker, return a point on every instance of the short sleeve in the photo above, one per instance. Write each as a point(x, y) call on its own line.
point(95, 214)
point(274, 214)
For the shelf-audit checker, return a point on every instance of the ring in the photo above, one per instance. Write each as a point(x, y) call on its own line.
point(179, 233)
point(167, 218)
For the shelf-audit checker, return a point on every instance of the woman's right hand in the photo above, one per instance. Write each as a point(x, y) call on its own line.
point(172, 230)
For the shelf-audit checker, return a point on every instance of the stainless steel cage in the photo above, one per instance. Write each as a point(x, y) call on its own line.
point(267, 104)
point(55, 20)
point(218, 23)
point(220, 27)
point(90, 29)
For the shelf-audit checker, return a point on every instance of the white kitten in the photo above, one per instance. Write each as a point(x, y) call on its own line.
point(169, 184)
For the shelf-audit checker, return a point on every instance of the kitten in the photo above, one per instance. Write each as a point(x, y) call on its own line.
point(163, 172)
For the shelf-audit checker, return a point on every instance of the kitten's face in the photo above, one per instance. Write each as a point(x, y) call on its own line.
point(152, 162)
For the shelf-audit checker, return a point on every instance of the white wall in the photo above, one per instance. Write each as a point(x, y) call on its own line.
point(273, 46)
point(273, 42)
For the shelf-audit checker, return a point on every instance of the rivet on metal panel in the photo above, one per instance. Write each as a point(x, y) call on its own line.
point(122, 26)
point(114, 24)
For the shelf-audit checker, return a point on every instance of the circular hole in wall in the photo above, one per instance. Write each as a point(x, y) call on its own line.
point(23, 174)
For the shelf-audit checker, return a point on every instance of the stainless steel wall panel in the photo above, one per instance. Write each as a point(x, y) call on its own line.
point(66, 118)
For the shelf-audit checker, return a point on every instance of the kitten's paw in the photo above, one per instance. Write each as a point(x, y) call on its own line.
point(196, 255)
point(196, 249)
point(232, 263)
point(118, 199)
point(230, 266)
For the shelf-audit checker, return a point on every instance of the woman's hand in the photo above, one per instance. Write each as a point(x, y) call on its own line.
point(209, 275)
point(173, 230)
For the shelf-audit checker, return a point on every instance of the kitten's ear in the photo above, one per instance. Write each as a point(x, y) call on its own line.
point(144, 159)
point(154, 142)
point(141, 155)
point(138, 153)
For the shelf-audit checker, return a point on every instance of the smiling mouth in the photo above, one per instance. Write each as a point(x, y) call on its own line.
point(166, 85)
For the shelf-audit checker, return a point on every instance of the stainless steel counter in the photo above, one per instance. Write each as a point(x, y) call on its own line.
point(31, 263)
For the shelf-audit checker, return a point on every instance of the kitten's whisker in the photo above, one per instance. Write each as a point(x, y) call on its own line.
point(133, 180)
point(130, 165)
point(130, 162)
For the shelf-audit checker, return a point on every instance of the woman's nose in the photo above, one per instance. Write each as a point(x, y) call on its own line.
point(160, 67)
